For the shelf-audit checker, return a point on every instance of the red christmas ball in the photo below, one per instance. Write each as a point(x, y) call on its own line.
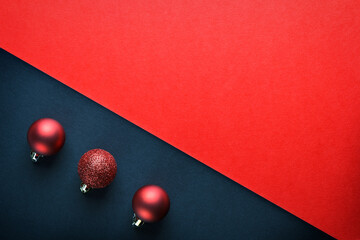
point(97, 168)
point(46, 136)
point(151, 203)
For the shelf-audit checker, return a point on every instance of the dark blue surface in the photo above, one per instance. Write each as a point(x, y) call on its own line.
point(43, 200)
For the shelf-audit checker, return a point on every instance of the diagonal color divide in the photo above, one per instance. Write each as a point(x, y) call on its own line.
point(197, 193)
point(267, 93)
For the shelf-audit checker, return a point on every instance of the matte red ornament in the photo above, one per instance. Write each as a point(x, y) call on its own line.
point(150, 203)
point(46, 137)
point(97, 169)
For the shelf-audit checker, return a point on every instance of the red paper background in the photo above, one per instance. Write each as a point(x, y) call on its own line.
point(265, 92)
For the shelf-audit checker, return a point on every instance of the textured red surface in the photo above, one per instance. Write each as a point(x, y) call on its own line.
point(265, 92)
point(97, 168)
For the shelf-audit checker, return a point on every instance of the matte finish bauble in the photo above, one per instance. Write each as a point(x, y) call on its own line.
point(46, 136)
point(151, 203)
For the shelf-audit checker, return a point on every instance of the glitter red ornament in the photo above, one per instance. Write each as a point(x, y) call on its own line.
point(97, 169)
point(150, 203)
point(46, 137)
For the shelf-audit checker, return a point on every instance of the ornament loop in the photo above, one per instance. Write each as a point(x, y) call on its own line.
point(84, 188)
point(35, 156)
point(137, 222)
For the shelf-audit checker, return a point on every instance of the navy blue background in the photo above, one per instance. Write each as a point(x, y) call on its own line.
point(43, 200)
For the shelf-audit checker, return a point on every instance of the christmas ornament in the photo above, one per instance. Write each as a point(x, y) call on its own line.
point(150, 204)
point(46, 137)
point(97, 169)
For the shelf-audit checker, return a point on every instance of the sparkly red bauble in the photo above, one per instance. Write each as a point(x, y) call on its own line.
point(97, 168)
point(151, 203)
point(46, 136)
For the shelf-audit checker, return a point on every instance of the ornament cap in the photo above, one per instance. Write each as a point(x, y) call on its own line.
point(137, 222)
point(35, 156)
point(84, 188)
